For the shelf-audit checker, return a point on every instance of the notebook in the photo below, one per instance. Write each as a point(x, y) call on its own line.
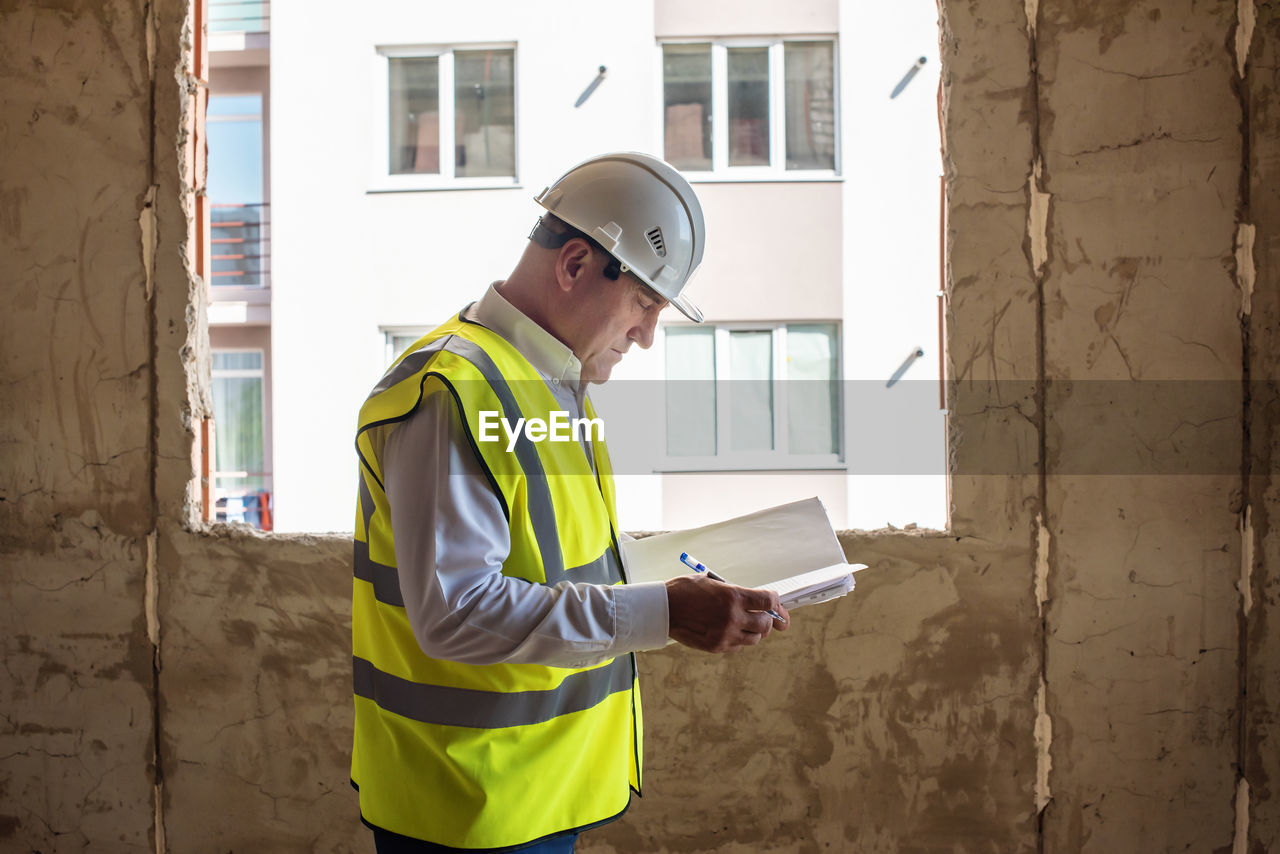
point(790, 549)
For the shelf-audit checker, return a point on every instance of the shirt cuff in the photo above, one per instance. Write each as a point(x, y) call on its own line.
point(642, 618)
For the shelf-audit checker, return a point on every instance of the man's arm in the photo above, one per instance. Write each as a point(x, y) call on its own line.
point(714, 617)
point(451, 538)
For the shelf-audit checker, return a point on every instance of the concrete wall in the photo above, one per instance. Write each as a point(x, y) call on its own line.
point(1142, 206)
point(1086, 662)
point(77, 506)
point(1258, 270)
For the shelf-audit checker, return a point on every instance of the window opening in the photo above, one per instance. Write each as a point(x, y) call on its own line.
point(444, 117)
point(235, 191)
point(242, 486)
point(810, 105)
point(761, 109)
point(448, 115)
point(686, 88)
point(753, 396)
point(233, 256)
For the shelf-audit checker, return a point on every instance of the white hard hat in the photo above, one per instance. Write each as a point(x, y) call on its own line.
point(642, 211)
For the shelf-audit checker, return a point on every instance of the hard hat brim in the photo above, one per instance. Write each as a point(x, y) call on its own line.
point(687, 308)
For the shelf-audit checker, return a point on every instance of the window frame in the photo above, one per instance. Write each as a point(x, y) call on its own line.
point(381, 177)
point(780, 458)
point(258, 293)
point(777, 168)
point(388, 334)
point(259, 373)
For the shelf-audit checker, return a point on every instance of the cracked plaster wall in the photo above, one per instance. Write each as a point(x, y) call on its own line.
point(1260, 577)
point(1142, 650)
point(1099, 165)
point(76, 724)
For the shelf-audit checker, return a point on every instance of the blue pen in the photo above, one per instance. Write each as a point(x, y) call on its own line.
point(698, 566)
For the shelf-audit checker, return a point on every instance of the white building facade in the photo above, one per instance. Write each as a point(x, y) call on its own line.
point(407, 142)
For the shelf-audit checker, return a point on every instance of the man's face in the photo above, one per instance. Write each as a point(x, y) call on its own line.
point(615, 314)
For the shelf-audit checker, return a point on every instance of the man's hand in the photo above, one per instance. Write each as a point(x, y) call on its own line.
point(716, 617)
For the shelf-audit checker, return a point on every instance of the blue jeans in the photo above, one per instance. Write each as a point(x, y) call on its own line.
point(394, 843)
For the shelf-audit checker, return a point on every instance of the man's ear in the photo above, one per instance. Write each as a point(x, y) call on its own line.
point(572, 263)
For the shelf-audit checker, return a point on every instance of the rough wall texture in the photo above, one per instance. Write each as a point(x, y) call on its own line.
point(907, 706)
point(257, 666)
point(1260, 577)
point(76, 724)
point(1088, 661)
point(1142, 346)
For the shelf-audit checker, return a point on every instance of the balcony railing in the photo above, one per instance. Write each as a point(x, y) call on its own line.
point(241, 241)
point(251, 505)
point(234, 16)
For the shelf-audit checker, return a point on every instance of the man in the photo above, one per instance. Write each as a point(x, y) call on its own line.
point(494, 638)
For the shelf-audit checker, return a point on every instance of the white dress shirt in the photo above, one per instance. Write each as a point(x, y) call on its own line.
point(451, 537)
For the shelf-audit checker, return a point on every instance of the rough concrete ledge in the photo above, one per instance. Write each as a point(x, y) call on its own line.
point(924, 676)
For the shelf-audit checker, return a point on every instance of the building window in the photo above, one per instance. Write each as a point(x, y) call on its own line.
point(753, 396)
point(400, 338)
point(239, 16)
point(747, 109)
point(236, 191)
point(447, 117)
point(242, 486)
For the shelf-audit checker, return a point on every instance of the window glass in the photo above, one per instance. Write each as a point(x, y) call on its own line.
point(748, 106)
point(235, 106)
point(756, 388)
point(484, 106)
point(810, 105)
point(399, 340)
point(751, 391)
point(240, 482)
point(237, 404)
point(236, 191)
point(691, 392)
point(414, 84)
point(813, 416)
point(239, 16)
point(802, 129)
point(237, 360)
point(686, 102)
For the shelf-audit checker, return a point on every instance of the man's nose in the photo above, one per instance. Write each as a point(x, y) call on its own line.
point(642, 333)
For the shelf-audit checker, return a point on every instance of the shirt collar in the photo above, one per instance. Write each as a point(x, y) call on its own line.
point(544, 351)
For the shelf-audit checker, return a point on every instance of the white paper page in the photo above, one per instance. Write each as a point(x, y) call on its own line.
point(791, 588)
point(821, 593)
point(751, 551)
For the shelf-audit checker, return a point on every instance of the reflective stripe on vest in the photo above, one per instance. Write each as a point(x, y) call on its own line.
point(447, 706)
point(386, 580)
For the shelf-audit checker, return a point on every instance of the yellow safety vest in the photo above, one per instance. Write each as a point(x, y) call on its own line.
point(497, 755)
